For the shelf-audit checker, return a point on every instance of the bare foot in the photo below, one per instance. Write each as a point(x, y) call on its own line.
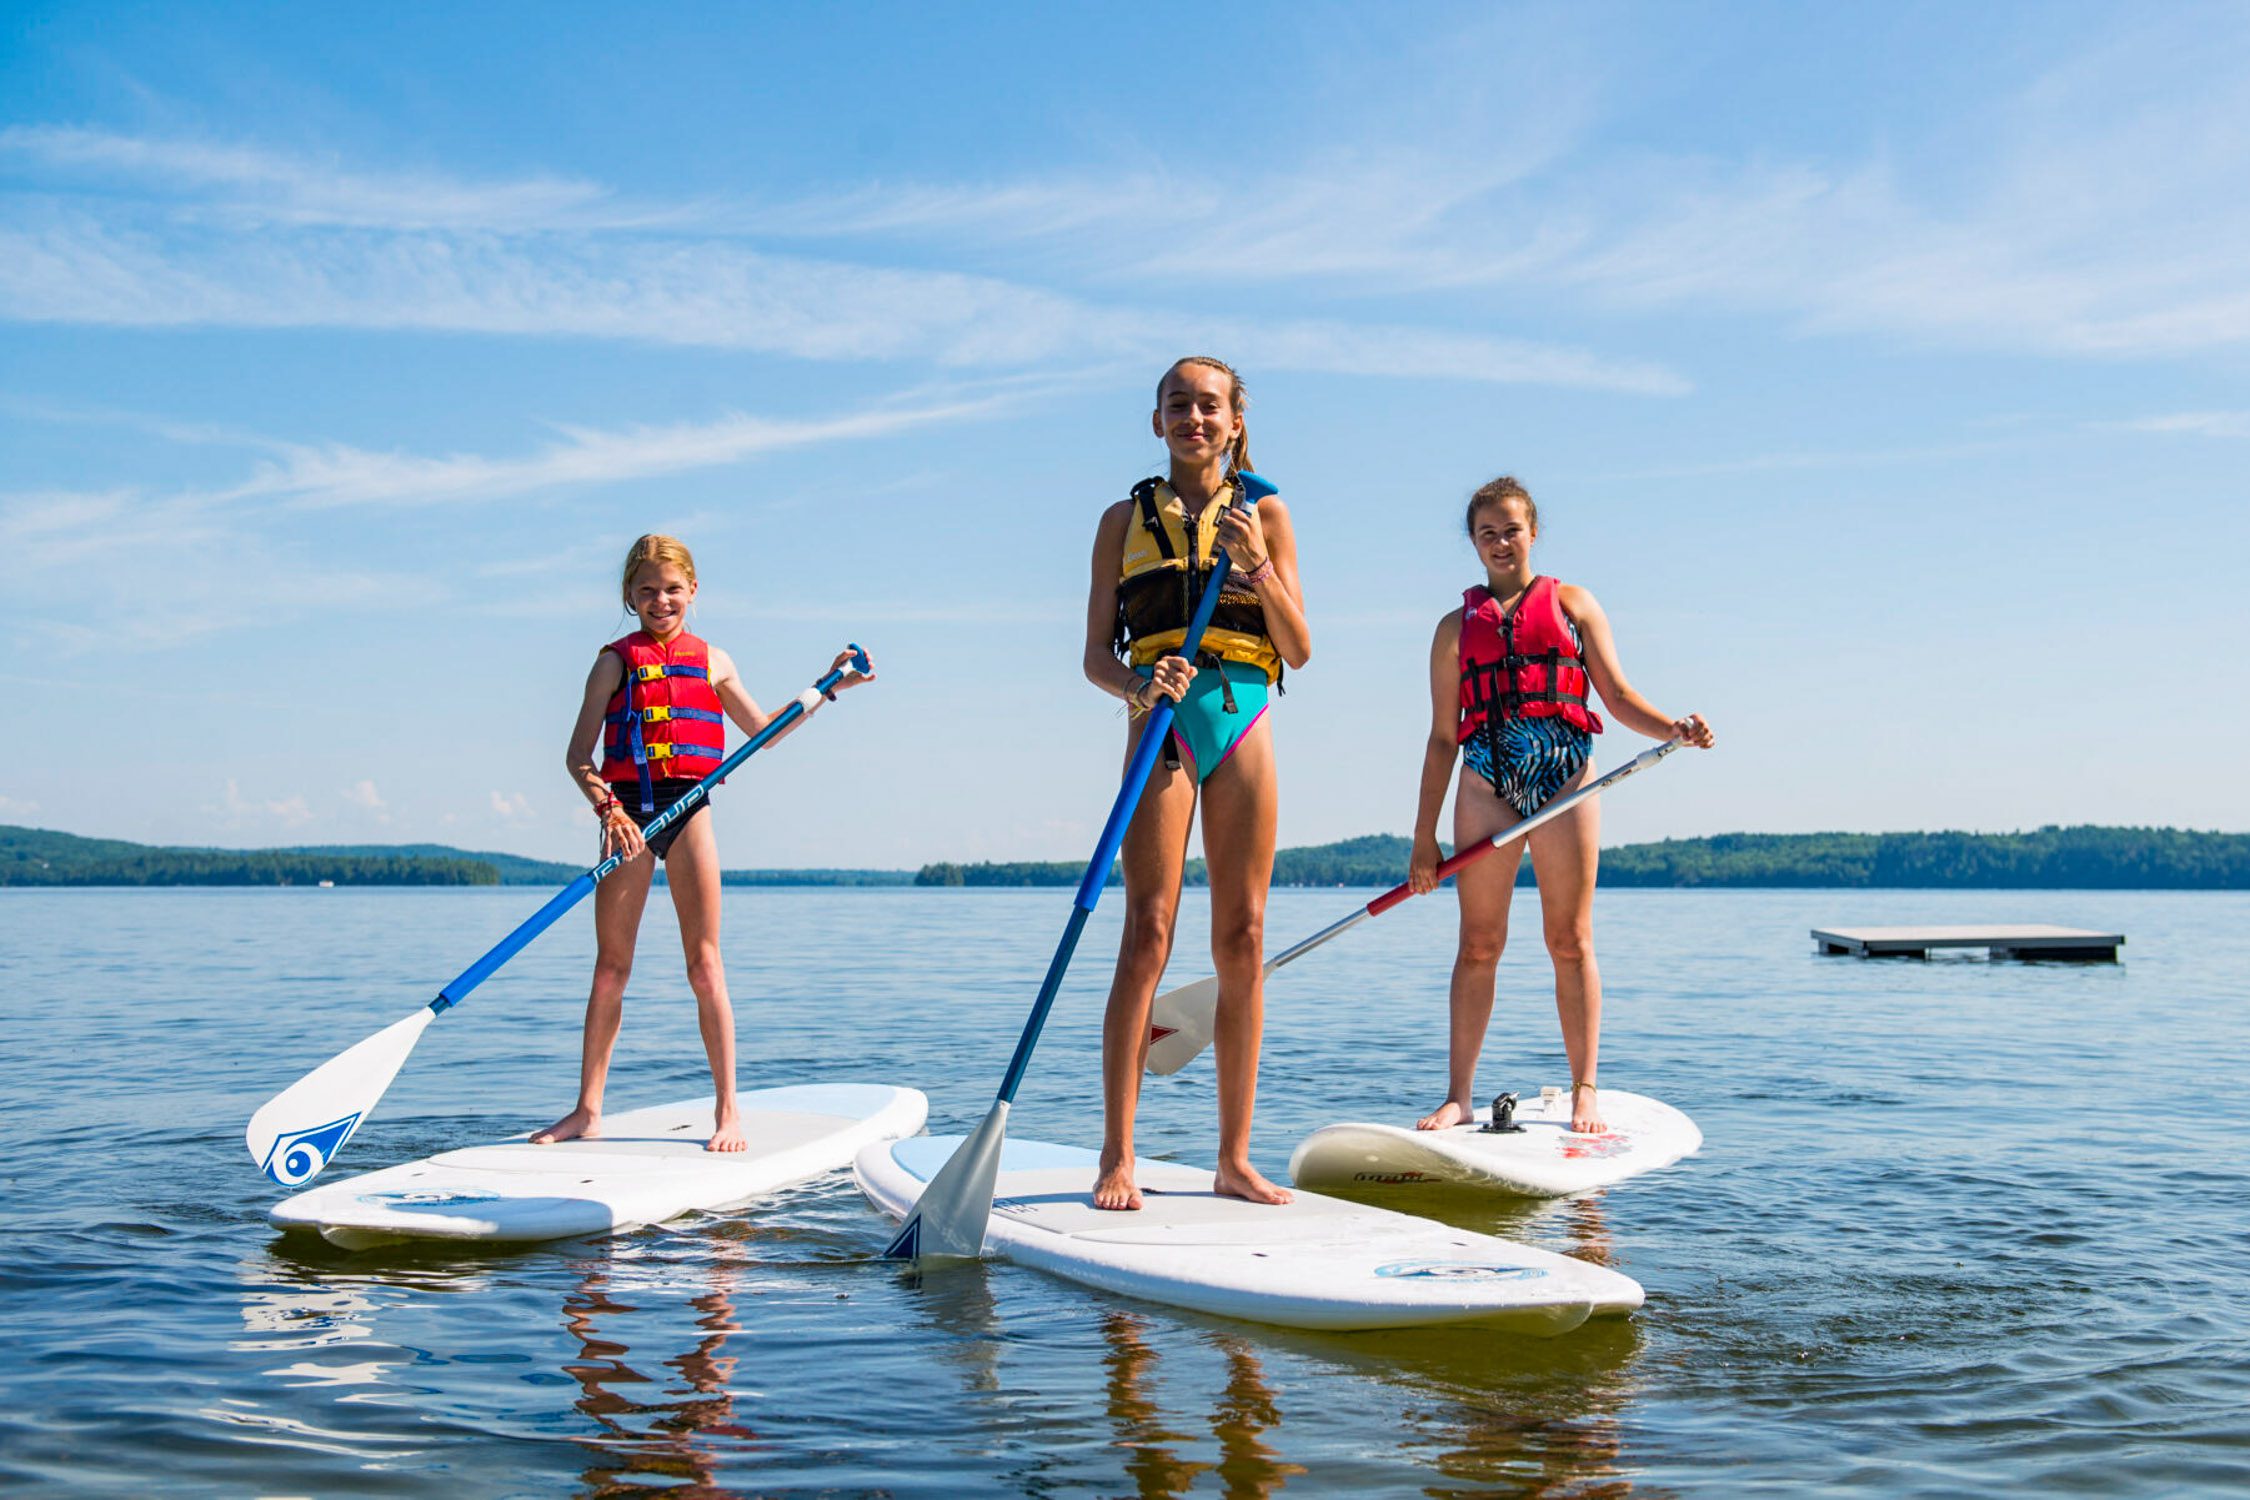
point(728, 1136)
point(1114, 1188)
point(1447, 1115)
point(1244, 1182)
point(581, 1124)
point(1585, 1112)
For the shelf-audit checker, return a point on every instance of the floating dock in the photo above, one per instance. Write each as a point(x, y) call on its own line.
point(2032, 940)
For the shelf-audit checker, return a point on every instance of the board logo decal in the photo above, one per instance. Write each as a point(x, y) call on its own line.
point(409, 1198)
point(298, 1157)
point(1158, 1033)
point(1406, 1176)
point(1597, 1148)
point(1459, 1270)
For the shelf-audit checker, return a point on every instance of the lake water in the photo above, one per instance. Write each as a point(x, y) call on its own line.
point(1958, 1227)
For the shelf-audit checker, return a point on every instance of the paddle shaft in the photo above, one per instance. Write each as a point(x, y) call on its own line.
point(1469, 856)
point(570, 895)
point(1137, 772)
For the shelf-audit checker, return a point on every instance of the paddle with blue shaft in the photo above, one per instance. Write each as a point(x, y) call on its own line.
point(300, 1130)
point(950, 1216)
point(1181, 1021)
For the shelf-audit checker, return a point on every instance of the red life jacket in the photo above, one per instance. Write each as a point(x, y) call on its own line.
point(664, 720)
point(1523, 664)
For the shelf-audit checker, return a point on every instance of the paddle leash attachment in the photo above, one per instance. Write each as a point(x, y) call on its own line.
point(300, 1130)
point(1181, 1021)
point(949, 1218)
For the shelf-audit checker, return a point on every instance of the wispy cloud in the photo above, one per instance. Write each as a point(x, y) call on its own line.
point(243, 183)
point(65, 265)
point(2218, 424)
point(339, 475)
point(167, 567)
point(238, 811)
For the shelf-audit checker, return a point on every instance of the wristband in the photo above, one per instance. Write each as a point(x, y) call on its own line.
point(1259, 574)
point(605, 807)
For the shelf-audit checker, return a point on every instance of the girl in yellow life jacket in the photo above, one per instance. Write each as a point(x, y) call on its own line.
point(1153, 555)
point(655, 707)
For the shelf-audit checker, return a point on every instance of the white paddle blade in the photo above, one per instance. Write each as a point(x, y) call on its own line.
point(301, 1129)
point(949, 1217)
point(1180, 1024)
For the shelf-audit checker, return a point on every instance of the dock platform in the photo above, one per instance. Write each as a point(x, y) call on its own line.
point(2033, 940)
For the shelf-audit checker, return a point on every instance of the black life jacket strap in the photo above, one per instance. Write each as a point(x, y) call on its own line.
point(1144, 496)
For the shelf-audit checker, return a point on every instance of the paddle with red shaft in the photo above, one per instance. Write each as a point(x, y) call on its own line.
point(1181, 1020)
point(299, 1131)
point(950, 1216)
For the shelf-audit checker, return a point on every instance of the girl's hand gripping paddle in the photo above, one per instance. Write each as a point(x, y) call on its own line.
point(950, 1216)
point(300, 1130)
point(1181, 1020)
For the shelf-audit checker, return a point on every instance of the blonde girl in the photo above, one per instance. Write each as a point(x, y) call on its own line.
point(656, 705)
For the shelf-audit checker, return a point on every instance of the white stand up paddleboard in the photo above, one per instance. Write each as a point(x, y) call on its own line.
point(1546, 1159)
point(1314, 1263)
point(648, 1166)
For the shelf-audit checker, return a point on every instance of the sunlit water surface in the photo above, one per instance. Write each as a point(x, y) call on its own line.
point(1958, 1227)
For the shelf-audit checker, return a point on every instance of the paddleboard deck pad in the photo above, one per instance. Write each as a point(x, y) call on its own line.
point(1546, 1160)
point(648, 1166)
point(1315, 1263)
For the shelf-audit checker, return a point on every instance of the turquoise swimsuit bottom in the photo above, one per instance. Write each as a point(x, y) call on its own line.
point(1222, 703)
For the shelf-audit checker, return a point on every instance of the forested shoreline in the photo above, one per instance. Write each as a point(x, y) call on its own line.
point(2053, 858)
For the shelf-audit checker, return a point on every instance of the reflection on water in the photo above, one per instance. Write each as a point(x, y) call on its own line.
point(1245, 1409)
point(650, 1431)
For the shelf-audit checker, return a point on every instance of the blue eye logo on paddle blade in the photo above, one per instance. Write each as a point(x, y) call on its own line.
point(1457, 1270)
point(297, 1158)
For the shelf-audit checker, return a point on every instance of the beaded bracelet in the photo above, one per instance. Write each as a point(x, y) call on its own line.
point(1259, 574)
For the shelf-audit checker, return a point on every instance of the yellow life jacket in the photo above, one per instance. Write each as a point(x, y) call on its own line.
point(1157, 589)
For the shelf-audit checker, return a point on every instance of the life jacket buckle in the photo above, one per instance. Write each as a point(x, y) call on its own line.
point(649, 671)
point(656, 715)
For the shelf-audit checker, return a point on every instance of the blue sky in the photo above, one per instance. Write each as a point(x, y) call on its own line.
point(1881, 368)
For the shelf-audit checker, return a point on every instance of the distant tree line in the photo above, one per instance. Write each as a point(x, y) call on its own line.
point(232, 867)
point(816, 877)
point(2086, 858)
point(2052, 858)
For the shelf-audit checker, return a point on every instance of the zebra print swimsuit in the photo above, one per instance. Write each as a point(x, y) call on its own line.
point(1538, 758)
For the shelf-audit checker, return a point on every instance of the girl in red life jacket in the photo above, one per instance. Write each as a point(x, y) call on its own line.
point(1510, 673)
point(656, 705)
